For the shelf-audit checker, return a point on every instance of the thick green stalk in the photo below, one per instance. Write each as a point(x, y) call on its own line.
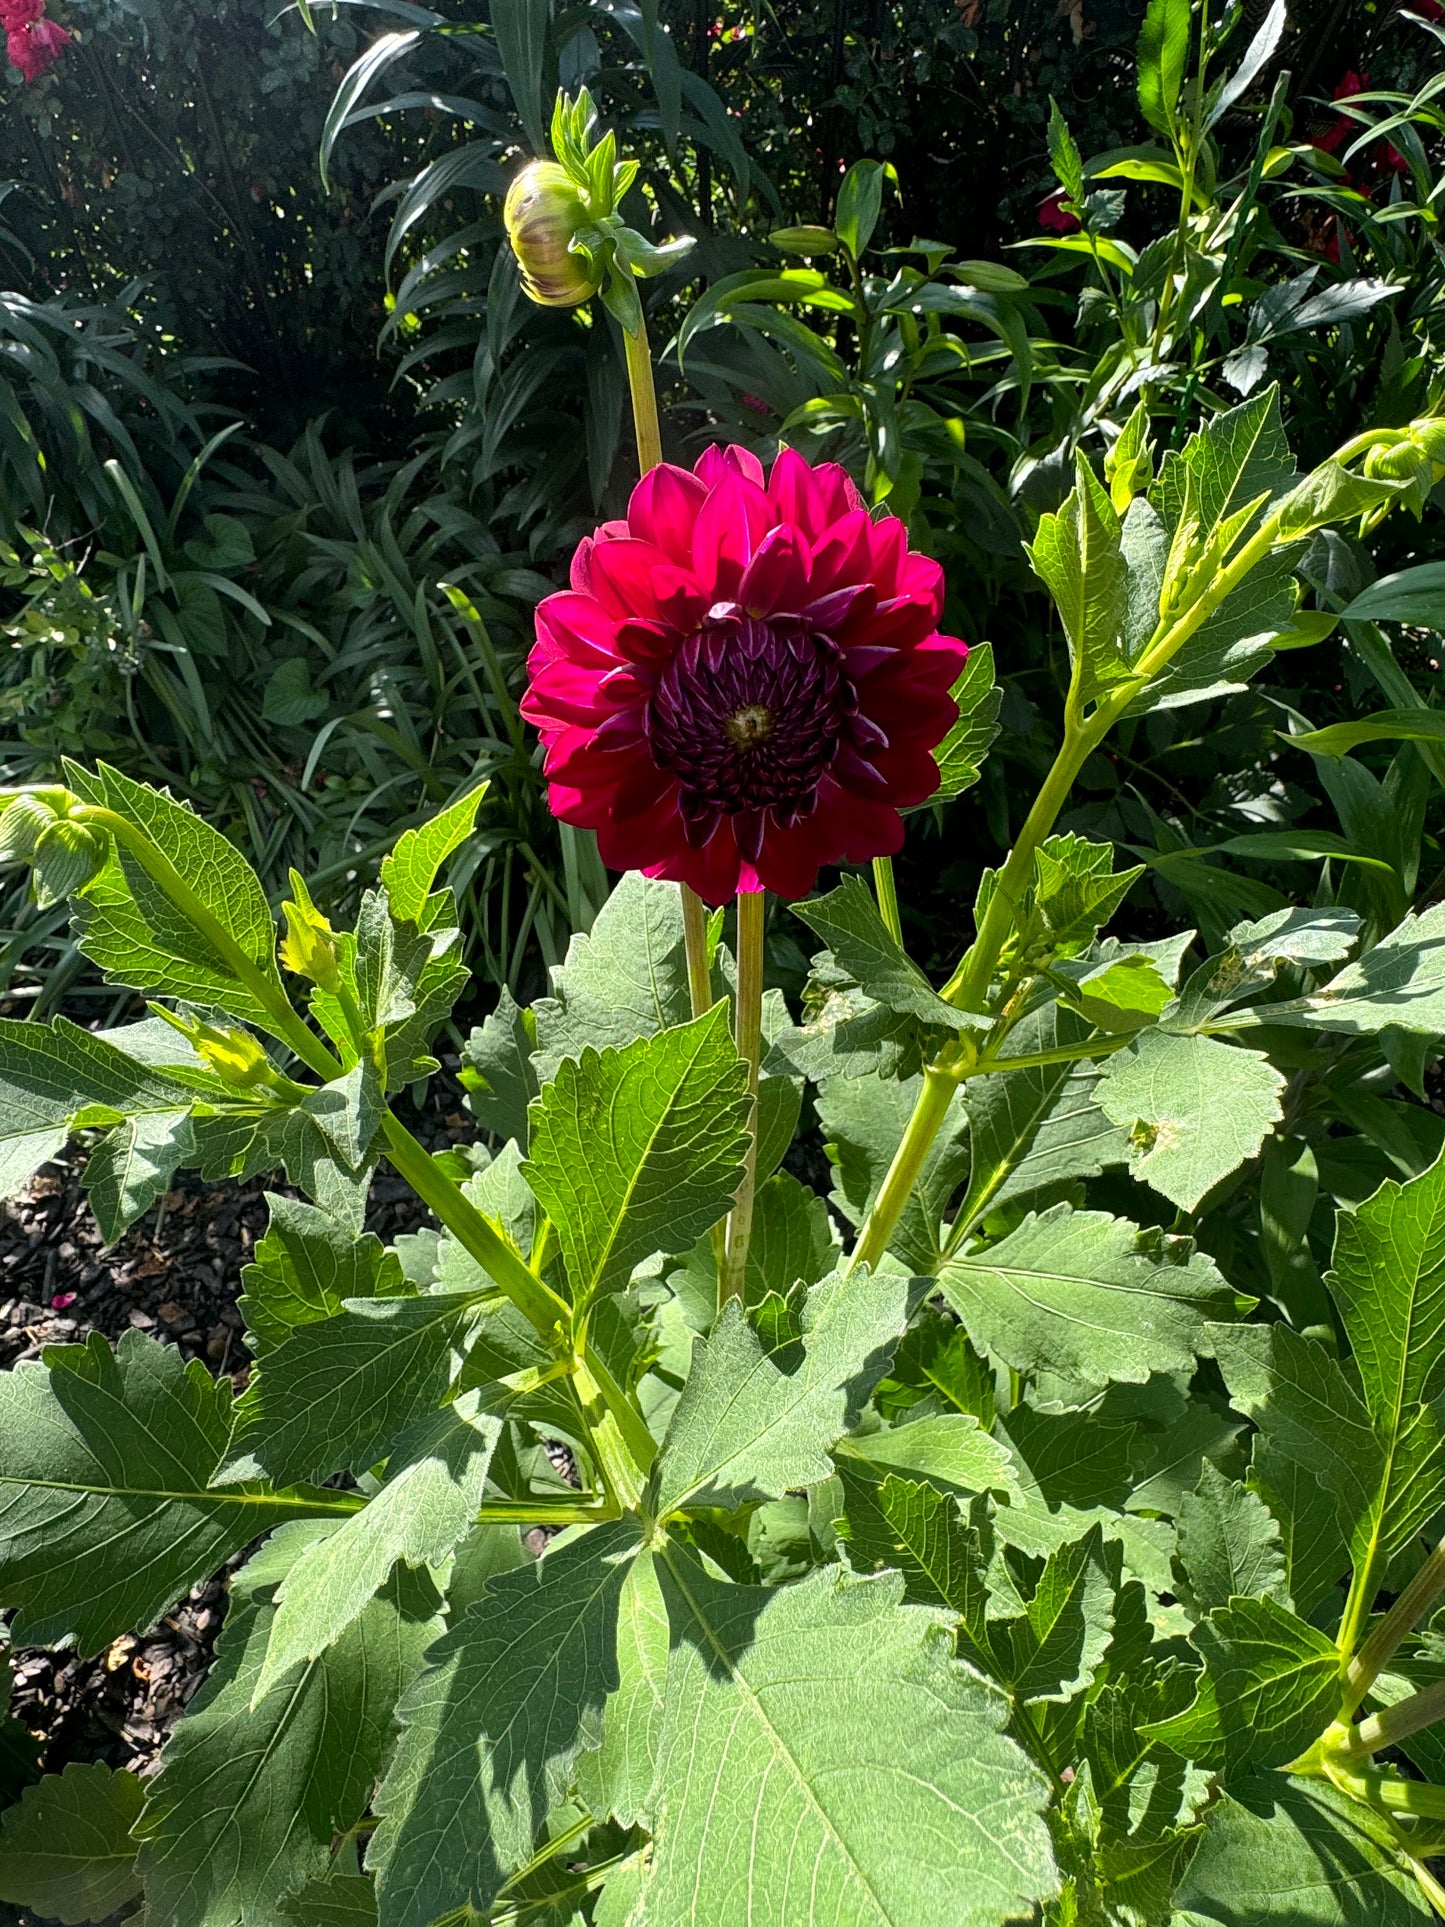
point(748, 1030)
point(644, 397)
point(694, 937)
point(939, 1084)
point(886, 885)
point(1408, 1611)
point(1396, 1722)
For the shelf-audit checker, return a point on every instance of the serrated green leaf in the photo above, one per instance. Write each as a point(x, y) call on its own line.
point(1075, 888)
point(493, 1725)
point(1195, 1110)
point(744, 1429)
point(433, 1488)
point(948, 1449)
point(639, 1150)
point(499, 1074)
point(825, 1759)
point(133, 1165)
point(1122, 994)
point(1241, 454)
point(411, 869)
point(1388, 1279)
point(52, 1073)
point(792, 1242)
point(1401, 981)
point(1053, 1651)
point(937, 1368)
point(1163, 59)
point(137, 935)
point(1229, 1545)
point(844, 1033)
point(305, 1268)
point(106, 1516)
point(250, 1797)
point(627, 978)
point(848, 921)
point(960, 756)
point(1234, 643)
point(346, 1900)
point(66, 1849)
point(863, 1121)
point(1316, 1462)
point(338, 1392)
point(1255, 955)
point(943, 1552)
point(1064, 155)
point(1299, 1854)
point(1088, 1297)
point(1077, 554)
point(616, 1779)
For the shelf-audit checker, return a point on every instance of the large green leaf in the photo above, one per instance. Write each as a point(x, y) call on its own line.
point(617, 1777)
point(1272, 1682)
point(66, 1849)
point(949, 1448)
point(1295, 1853)
point(863, 1120)
point(848, 921)
point(1400, 982)
point(1233, 643)
point(1088, 1297)
point(306, 1267)
point(1316, 1461)
point(793, 1241)
point(639, 1150)
point(745, 1429)
point(499, 1074)
point(133, 1165)
point(1053, 1649)
point(1163, 60)
point(409, 872)
point(430, 1499)
point(626, 978)
point(138, 936)
point(1076, 552)
point(1389, 1282)
point(1194, 1108)
point(492, 1727)
point(825, 1760)
point(1229, 1545)
point(1240, 455)
point(339, 1392)
point(942, 1552)
point(106, 1510)
point(253, 1790)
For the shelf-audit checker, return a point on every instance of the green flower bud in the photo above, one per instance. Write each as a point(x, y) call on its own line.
point(234, 1055)
point(543, 211)
point(67, 856)
point(22, 824)
point(1400, 462)
point(309, 947)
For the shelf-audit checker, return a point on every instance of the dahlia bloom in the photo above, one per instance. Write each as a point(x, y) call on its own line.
point(745, 680)
point(33, 43)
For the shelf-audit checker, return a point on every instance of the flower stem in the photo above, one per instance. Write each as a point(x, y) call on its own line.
point(644, 397)
point(887, 888)
point(694, 936)
point(1406, 1613)
point(939, 1084)
point(748, 1030)
point(1396, 1722)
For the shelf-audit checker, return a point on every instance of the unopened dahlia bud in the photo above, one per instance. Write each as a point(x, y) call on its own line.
point(309, 947)
point(543, 211)
point(22, 824)
point(67, 856)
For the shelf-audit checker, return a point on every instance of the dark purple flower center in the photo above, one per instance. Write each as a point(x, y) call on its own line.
point(749, 715)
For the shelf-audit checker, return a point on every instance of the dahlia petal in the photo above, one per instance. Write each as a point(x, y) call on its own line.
point(921, 578)
point(855, 770)
point(577, 626)
point(748, 828)
point(623, 729)
point(664, 508)
point(715, 871)
point(828, 613)
point(869, 830)
point(727, 457)
point(890, 553)
point(790, 859)
point(777, 577)
point(569, 691)
point(580, 574)
point(909, 774)
point(621, 577)
point(645, 644)
point(632, 842)
point(681, 600)
point(896, 624)
point(843, 555)
point(587, 809)
point(731, 523)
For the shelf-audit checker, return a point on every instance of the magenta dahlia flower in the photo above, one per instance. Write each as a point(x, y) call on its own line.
point(745, 680)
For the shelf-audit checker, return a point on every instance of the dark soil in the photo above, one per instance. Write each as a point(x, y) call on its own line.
point(176, 1275)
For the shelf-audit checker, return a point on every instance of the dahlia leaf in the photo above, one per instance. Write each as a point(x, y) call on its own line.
point(1229, 1545)
point(1076, 890)
point(793, 1242)
point(253, 1791)
point(1271, 1680)
point(338, 1393)
point(1315, 1460)
point(66, 1849)
point(138, 936)
point(863, 1120)
point(493, 1725)
point(1266, 1849)
point(1077, 554)
point(744, 1429)
point(1195, 1110)
point(1388, 1279)
point(824, 1758)
point(433, 1487)
point(1088, 1297)
point(639, 1150)
point(617, 1778)
point(106, 1512)
point(1255, 954)
point(1052, 1650)
point(949, 1449)
point(409, 872)
point(848, 921)
point(960, 756)
point(1236, 458)
point(345, 1900)
point(133, 1164)
point(498, 1071)
point(305, 1268)
point(626, 978)
point(1233, 644)
point(942, 1550)
point(1163, 61)
point(1400, 982)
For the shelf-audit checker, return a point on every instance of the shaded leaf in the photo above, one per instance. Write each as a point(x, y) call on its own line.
point(66, 1849)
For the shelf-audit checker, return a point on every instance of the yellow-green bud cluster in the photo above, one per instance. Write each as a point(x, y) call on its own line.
point(544, 212)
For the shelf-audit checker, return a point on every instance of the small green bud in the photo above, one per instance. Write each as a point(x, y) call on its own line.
point(234, 1055)
point(22, 824)
point(544, 210)
point(309, 947)
point(1399, 462)
point(67, 856)
point(804, 240)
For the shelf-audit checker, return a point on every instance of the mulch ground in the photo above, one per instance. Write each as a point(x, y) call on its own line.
point(176, 1275)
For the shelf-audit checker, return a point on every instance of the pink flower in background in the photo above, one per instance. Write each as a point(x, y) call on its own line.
point(1056, 217)
point(745, 680)
point(32, 42)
